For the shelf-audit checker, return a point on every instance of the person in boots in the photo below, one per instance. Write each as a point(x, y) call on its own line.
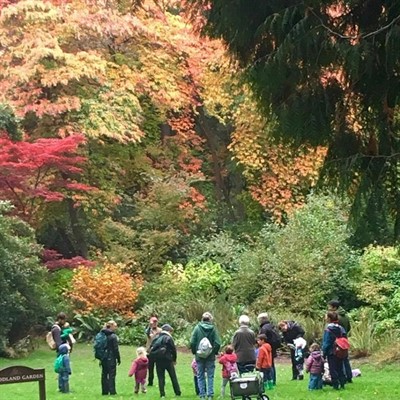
point(264, 360)
point(315, 366)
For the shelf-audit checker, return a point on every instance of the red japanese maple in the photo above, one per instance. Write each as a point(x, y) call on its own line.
point(41, 171)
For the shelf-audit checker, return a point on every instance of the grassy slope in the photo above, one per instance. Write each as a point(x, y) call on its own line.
point(85, 381)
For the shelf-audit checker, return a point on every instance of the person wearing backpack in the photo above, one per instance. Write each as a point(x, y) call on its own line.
point(163, 351)
point(292, 330)
point(205, 344)
point(107, 351)
point(243, 342)
point(62, 366)
point(229, 367)
point(273, 337)
point(333, 331)
point(344, 321)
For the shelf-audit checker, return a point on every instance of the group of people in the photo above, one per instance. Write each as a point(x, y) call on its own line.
point(248, 351)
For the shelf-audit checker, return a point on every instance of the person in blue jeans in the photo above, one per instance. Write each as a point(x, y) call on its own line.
point(205, 357)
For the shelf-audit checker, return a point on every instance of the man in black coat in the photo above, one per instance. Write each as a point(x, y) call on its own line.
point(109, 364)
point(273, 338)
point(292, 330)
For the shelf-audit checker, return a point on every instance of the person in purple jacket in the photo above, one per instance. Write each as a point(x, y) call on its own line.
point(315, 366)
point(139, 369)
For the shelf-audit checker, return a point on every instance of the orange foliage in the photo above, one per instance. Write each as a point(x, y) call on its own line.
point(106, 290)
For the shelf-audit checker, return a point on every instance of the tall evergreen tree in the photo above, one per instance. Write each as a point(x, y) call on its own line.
point(330, 72)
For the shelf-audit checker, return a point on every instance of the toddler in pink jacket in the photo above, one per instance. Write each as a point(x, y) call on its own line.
point(139, 369)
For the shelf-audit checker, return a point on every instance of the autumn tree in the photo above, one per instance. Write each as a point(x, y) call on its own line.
point(329, 72)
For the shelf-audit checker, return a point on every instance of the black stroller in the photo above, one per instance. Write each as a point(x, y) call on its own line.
point(248, 384)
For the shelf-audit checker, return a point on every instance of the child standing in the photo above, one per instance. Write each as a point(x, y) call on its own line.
point(264, 360)
point(64, 369)
point(139, 369)
point(229, 367)
point(315, 366)
point(195, 381)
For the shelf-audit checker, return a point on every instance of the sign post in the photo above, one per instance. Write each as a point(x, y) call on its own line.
point(19, 374)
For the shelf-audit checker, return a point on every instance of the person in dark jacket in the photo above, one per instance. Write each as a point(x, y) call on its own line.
point(167, 360)
point(243, 342)
point(56, 331)
point(332, 331)
point(152, 331)
point(292, 330)
point(315, 366)
point(109, 364)
point(206, 365)
point(273, 338)
point(344, 321)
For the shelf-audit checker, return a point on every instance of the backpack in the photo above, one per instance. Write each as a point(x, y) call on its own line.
point(100, 346)
point(232, 369)
point(49, 338)
point(341, 347)
point(59, 363)
point(275, 339)
point(205, 348)
point(158, 349)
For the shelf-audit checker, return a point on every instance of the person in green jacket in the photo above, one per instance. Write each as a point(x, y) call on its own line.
point(344, 321)
point(205, 352)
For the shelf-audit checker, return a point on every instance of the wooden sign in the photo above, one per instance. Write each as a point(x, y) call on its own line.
point(20, 374)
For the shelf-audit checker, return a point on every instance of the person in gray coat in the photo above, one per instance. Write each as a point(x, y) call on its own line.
point(243, 342)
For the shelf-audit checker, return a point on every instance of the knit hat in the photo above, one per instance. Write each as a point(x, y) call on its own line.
point(167, 327)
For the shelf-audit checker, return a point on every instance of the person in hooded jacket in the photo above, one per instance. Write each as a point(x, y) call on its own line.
point(229, 366)
point(166, 360)
point(65, 369)
point(292, 330)
point(315, 366)
point(205, 328)
point(109, 364)
point(332, 331)
point(344, 321)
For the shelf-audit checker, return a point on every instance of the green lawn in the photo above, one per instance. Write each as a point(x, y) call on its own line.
point(85, 380)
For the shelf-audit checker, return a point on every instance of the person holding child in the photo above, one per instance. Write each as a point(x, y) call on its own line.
point(229, 367)
point(264, 360)
point(292, 330)
point(65, 369)
point(139, 370)
point(315, 366)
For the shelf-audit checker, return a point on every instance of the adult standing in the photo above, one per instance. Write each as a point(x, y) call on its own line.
point(243, 342)
point(332, 331)
point(205, 365)
point(292, 330)
point(56, 330)
point(112, 359)
point(166, 359)
point(152, 331)
point(344, 321)
point(273, 338)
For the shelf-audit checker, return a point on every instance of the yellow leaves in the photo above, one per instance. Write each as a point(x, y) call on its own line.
point(105, 290)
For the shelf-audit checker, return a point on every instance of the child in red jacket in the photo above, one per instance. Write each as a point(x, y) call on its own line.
point(139, 369)
point(229, 367)
point(264, 360)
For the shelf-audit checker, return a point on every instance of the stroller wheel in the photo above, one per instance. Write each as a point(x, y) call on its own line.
point(263, 397)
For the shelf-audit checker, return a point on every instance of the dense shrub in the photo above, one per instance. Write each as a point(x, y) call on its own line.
point(380, 284)
point(104, 290)
point(301, 265)
point(23, 286)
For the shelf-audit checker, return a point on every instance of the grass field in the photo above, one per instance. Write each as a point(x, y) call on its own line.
point(85, 380)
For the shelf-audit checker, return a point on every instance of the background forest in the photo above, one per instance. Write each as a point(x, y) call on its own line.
point(167, 157)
